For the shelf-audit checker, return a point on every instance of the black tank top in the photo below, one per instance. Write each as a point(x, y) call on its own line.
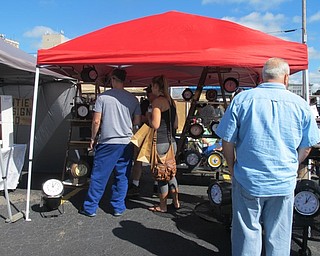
point(163, 130)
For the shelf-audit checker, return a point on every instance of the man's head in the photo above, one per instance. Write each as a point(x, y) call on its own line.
point(276, 70)
point(119, 74)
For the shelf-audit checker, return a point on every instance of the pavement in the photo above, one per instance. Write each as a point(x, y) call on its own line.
point(190, 230)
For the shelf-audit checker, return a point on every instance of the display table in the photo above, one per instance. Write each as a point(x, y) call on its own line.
point(13, 158)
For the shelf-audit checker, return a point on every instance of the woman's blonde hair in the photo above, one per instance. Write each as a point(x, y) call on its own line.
point(162, 82)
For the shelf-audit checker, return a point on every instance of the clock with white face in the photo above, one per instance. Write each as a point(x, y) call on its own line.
point(307, 198)
point(220, 193)
point(192, 158)
point(53, 188)
point(82, 111)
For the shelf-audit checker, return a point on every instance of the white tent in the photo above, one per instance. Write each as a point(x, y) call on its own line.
point(46, 133)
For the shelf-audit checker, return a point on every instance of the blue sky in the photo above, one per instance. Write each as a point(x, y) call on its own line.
point(26, 21)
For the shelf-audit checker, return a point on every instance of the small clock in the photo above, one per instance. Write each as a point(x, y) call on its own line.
point(82, 110)
point(230, 84)
point(52, 188)
point(89, 74)
point(192, 158)
point(196, 130)
point(211, 95)
point(79, 169)
point(187, 94)
point(307, 198)
point(219, 193)
point(215, 160)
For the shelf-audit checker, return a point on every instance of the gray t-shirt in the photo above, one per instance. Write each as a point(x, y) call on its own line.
point(118, 107)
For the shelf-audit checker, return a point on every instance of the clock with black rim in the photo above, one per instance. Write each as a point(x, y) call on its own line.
point(230, 84)
point(192, 158)
point(307, 198)
point(187, 94)
point(213, 128)
point(52, 188)
point(219, 193)
point(79, 169)
point(215, 159)
point(82, 110)
point(196, 130)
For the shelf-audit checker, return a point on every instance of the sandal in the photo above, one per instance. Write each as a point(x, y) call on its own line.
point(156, 208)
point(176, 207)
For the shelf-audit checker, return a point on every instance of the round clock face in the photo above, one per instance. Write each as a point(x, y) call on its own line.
point(93, 75)
point(215, 160)
point(79, 170)
point(187, 94)
point(196, 130)
point(306, 203)
point(211, 95)
point(215, 193)
point(53, 188)
point(192, 158)
point(230, 85)
point(83, 111)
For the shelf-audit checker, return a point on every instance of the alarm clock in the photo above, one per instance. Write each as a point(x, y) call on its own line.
point(82, 110)
point(213, 128)
point(307, 198)
point(79, 169)
point(52, 190)
point(215, 160)
point(219, 193)
point(187, 94)
point(211, 95)
point(89, 74)
point(192, 158)
point(230, 84)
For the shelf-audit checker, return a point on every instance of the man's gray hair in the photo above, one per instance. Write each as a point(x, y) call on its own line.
point(275, 68)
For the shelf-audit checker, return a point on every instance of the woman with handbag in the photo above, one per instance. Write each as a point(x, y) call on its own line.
point(164, 120)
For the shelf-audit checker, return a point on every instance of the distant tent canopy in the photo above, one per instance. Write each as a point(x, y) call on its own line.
point(177, 45)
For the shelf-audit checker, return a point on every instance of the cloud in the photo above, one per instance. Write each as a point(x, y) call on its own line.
point(268, 22)
point(315, 17)
point(258, 4)
point(39, 31)
point(313, 53)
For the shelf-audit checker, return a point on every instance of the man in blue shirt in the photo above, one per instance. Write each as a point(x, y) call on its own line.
point(266, 131)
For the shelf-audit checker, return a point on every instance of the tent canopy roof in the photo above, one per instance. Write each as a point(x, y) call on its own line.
point(176, 44)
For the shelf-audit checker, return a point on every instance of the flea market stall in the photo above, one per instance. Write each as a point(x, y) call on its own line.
point(188, 49)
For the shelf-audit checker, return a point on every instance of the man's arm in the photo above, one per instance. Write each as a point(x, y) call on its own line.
point(303, 153)
point(228, 152)
point(96, 120)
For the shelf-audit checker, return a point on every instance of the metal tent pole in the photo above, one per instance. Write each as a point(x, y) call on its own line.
point(33, 122)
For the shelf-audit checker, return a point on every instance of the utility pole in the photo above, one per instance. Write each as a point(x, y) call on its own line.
point(305, 73)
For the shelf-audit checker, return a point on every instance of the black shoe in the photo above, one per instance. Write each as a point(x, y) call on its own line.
point(87, 214)
point(133, 190)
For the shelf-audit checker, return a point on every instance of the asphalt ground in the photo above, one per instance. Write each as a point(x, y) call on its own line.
point(190, 230)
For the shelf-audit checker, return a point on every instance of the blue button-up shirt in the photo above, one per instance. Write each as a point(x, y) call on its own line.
point(268, 124)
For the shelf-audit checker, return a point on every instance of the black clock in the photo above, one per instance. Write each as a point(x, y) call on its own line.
point(192, 158)
point(52, 190)
point(80, 169)
point(307, 198)
point(213, 128)
point(211, 95)
point(187, 94)
point(82, 110)
point(230, 84)
point(219, 193)
point(89, 74)
point(196, 130)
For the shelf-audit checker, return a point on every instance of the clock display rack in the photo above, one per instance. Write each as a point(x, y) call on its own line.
point(78, 160)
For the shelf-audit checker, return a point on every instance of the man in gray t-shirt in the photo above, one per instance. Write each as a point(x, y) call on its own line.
point(116, 111)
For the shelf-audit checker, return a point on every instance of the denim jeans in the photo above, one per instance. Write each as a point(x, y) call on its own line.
point(108, 158)
point(258, 220)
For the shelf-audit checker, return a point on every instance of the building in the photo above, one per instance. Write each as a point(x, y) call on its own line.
point(51, 40)
point(9, 41)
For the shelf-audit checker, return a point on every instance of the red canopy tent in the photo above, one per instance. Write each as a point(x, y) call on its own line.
point(176, 44)
point(188, 49)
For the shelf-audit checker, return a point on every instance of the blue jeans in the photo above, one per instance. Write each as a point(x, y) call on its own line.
point(108, 158)
point(253, 216)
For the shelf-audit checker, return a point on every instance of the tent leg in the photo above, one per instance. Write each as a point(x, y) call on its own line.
point(32, 132)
